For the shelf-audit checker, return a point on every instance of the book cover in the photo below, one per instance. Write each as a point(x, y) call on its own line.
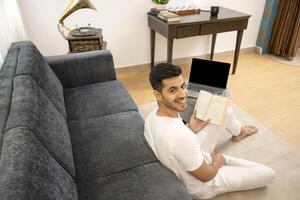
point(186, 12)
point(158, 10)
point(152, 13)
point(168, 16)
point(209, 106)
point(168, 19)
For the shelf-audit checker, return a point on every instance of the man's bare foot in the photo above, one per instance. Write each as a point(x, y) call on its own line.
point(245, 131)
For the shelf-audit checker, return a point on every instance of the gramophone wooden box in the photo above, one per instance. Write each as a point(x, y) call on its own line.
point(85, 42)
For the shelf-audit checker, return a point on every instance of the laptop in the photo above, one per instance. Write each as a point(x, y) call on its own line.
point(208, 75)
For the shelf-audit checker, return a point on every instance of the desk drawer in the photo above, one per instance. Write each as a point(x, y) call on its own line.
point(187, 31)
point(219, 27)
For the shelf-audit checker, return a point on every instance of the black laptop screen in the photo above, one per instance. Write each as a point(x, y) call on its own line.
point(207, 72)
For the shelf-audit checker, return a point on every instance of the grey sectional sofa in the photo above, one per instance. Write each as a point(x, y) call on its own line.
point(69, 130)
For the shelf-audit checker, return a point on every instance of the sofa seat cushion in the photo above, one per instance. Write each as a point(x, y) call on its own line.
point(97, 99)
point(151, 181)
point(30, 107)
point(28, 171)
point(31, 62)
point(108, 144)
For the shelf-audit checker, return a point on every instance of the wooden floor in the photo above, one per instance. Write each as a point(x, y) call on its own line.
point(266, 89)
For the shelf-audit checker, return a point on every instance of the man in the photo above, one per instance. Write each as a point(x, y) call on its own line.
point(188, 149)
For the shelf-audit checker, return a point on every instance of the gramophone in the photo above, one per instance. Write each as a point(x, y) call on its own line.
point(79, 31)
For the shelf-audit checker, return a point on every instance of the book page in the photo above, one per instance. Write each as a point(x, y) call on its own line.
point(217, 109)
point(202, 103)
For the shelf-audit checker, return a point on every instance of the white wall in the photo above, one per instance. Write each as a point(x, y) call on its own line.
point(124, 25)
point(14, 30)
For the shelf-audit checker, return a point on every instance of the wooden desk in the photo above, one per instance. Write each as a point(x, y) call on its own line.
point(199, 24)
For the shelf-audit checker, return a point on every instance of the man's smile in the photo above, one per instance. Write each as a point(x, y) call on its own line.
point(181, 101)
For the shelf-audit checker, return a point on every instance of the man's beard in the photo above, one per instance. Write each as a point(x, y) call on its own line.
point(172, 106)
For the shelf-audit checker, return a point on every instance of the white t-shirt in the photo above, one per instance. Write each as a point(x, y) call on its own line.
point(178, 148)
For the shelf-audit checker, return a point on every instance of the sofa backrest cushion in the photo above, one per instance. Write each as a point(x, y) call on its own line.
point(28, 171)
point(6, 86)
point(30, 107)
point(31, 62)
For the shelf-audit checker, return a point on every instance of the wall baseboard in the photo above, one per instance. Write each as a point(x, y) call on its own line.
point(179, 61)
point(258, 50)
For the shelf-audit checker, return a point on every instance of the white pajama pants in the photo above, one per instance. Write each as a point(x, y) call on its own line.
point(237, 174)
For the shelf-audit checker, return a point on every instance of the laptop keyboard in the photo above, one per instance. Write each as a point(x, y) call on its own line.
point(197, 88)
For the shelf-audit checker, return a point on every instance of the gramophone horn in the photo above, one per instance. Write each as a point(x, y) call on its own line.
point(75, 5)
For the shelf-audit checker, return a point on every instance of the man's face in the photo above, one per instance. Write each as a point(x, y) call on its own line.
point(174, 94)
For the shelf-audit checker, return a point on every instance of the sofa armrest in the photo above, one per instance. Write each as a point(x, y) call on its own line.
point(83, 68)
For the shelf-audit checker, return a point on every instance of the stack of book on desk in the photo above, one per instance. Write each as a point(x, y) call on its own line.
point(185, 10)
point(168, 16)
point(179, 10)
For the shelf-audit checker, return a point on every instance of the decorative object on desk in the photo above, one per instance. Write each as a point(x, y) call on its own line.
point(168, 16)
point(214, 10)
point(160, 2)
point(72, 7)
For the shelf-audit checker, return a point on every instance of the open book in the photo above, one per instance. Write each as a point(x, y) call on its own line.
point(209, 106)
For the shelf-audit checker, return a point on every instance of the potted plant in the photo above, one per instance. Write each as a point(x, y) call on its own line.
point(160, 2)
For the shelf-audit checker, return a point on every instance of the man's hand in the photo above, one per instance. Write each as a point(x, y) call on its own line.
point(197, 125)
point(217, 159)
point(207, 172)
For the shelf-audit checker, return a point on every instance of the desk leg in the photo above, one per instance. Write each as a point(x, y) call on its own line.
point(152, 46)
point(170, 50)
point(237, 49)
point(213, 42)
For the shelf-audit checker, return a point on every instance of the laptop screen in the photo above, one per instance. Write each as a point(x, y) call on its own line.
point(208, 72)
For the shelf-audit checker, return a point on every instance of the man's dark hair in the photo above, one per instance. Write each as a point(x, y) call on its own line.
point(162, 71)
